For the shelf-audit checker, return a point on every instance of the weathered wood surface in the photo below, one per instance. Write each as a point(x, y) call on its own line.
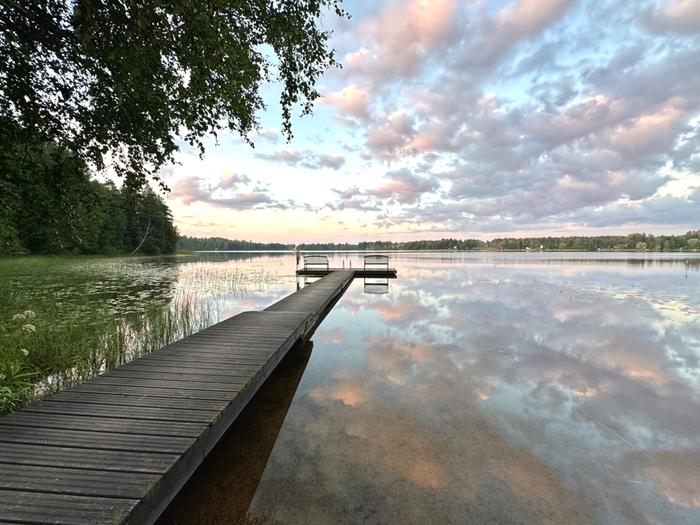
point(117, 448)
point(357, 272)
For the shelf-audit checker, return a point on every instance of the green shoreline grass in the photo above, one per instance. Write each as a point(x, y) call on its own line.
point(41, 355)
point(65, 319)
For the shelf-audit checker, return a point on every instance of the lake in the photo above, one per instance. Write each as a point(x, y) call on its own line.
point(476, 387)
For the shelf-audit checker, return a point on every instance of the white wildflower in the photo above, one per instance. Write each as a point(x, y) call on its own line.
point(29, 328)
point(24, 351)
point(29, 315)
point(18, 317)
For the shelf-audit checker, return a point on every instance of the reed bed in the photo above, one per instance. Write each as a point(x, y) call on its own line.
point(49, 358)
point(65, 320)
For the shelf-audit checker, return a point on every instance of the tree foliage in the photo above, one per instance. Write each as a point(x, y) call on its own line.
point(221, 244)
point(49, 204)
point(633, 241)
point(118, 82)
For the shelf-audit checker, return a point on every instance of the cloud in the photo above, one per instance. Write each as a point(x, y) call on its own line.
point(388, 138)
point(404, 186)
point(666, 209)
point(551, 208)
point(354, 199)
point(189, 190)
point(527, 18)
point(399, 186)
point(514, 23)
point(546, 162)
point(286, 156)
point(674, 16)
point(401, 38)
point(232, 180)
point(244, 201)
point(192, 189)
point(315, 162)
point(505, 116)
point(352, 101)
point(686, 154)
point(272, 135)
point(648, 134)
point(306, 159)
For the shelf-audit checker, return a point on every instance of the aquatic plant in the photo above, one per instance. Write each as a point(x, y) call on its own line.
point(16, 386)
point(66, 319)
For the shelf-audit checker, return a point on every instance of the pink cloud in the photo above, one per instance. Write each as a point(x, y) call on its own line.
point(401, 36)
point(517, 21)
point(522, 110)
point(647, 134)
point(676, 16)
point(388, 137)
point(405, 187)
point(349, 392)
point(306, 159)
point(527, 18)
point(195, 189)
point(288, 156)
point(232, 180)
point(188, 190)
point(352, 100)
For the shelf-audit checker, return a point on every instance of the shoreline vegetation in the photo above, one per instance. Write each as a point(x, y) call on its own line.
point(43, 354)
point(65, 319)
point(635, 242)
point(50, 203)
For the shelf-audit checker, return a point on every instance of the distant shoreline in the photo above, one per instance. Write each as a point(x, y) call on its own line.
point(635, 242)
point(436, 250)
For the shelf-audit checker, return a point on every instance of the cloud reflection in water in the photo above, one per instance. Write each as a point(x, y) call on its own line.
point(508, 388)
point(516, 392)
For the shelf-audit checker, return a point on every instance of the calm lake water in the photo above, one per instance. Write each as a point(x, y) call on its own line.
point(475, 388)
point(479, 388)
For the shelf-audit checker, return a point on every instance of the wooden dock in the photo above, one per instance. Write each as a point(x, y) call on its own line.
point(117, 448)
point(389, 273)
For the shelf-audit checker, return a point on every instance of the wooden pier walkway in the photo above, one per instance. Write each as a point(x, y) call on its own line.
point(117, 448)
point(357, 272)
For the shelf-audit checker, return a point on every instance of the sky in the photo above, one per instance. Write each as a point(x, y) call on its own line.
point(471, 118)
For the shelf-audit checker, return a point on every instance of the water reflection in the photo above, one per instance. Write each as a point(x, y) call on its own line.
point(503, 389)
point(305, 280)
point(223, 487)
point(375, 285)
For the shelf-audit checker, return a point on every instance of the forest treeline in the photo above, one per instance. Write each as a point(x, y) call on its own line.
point(50, 205)
point(636, 241)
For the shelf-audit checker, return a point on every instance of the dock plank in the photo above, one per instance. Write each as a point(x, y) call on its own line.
point(197, 367)
point(164, 383)
point(102, 424)
point(94, 440)
point(131, 412)
point(183, 377)
point(70, 457)
point(194, 363)
point(78, 482)
point(145, 391)
point(142, 399)
point(60, 509)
